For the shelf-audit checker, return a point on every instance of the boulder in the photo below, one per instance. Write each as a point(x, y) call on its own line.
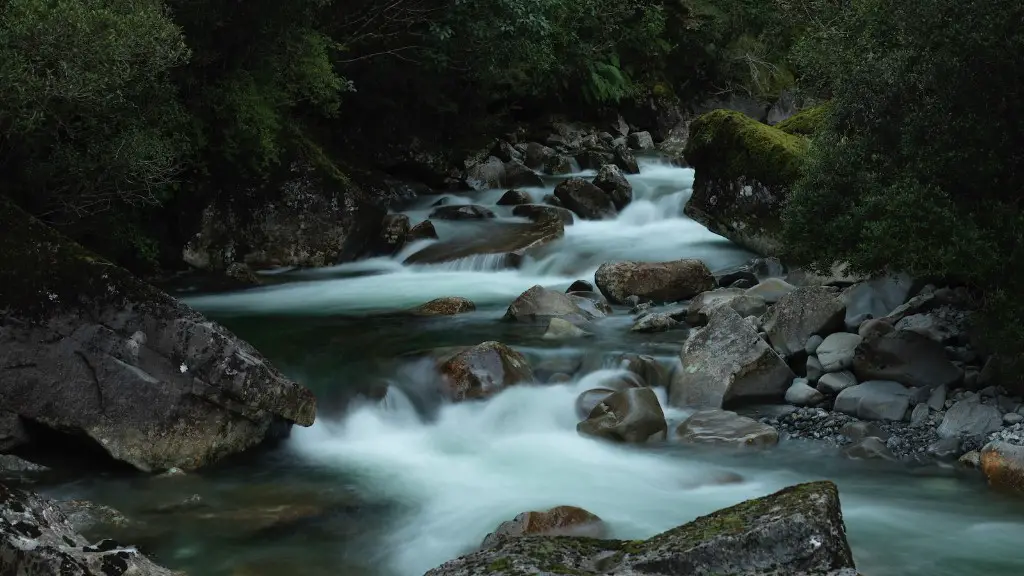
point(519, 175)
point(1003, 465)
point(735, 298)
point(585, 199)
point(800, 393)
point(610, 179)
point(482, 371)
point(514, 198)
point(653, 281)
point(394, 233)
point(559, 164)
point(461, 212)
point(724, 428)
point(623, 158)
point(540, 304)
point(539, 212)
point(537, 155)
point(633, 416)
point(589, 399)
point(727, 361)
point(654, 322)
point(835, 382)
point(743, 173)
point(796, 531)
point(800, 314)
point(486, 175)
point(771, 289)
point(874, 400)
point(558, 521)
point(559, 329)
point(509, 241)
point(641, 141)
point(423, 231)
point(448, 306)
point(87, 349)
point(593, 302)
point(969, 417)
point(836, 352)
point(652, 372)
point(857, 431)
point(905, 357)
point(580, 286)
point(311, 220)
point(811, 347)
point(36, 539)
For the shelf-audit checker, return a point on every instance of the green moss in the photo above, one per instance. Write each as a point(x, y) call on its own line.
point(806, 122)
point(500, 564)
point(728, 145)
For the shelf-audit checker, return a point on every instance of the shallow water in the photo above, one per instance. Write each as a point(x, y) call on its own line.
point(395, 487)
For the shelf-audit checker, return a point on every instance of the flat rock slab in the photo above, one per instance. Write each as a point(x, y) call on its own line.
point(724, 428)
point(796, 531)
point(905, 357)
point(874, 400)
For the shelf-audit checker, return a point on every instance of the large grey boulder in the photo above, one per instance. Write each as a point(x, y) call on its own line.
point(727, 361)
point(633, 415)
point(1003, 465)
point(653, 281)
point(36, 539)
point(88, 349)
point(905, 357)
point(874, 400)
point(744, 304)
point(875, 298)
point(585, 199)
point(797, 531)
point(970, 417)
point(800, 314)
point(724, 428)
point(836, 352)
point(539, 304)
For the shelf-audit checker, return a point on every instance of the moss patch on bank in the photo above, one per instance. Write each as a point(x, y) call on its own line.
point(805, 122)
point(729, 145)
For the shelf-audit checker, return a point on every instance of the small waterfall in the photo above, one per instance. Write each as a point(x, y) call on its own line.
point(475, 263)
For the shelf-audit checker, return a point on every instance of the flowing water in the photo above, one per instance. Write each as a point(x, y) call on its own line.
point(399, 484)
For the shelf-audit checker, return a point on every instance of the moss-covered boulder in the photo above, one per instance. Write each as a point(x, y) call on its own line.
point(743, 173)
point(805, 122)
point(88, 351)
point(796, 531)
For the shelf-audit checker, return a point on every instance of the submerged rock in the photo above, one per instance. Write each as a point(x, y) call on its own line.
point(559, 329)
point(722, 427)
point(558, 521)
point(445, 307)
point(507, 243)
point(727, 361)
point(394, 233)
point(633, 415)
point(654, 322)
point(743, 172)
point(538, 212)
point(585, 199)
point(653, 281)
point(482, 371)
point(36, 539)
point(102, 355)
point(589, 399)
point(796, 531)
point(744, 304)
point(540, 304)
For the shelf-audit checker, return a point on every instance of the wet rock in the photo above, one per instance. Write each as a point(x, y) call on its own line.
point(814, 370)
point(727, 361)
point(874, 328)
point(448, 306)
point(589, 399)
point(506, 152)
point(461, 212)
point(36, 539)
point(558, 164)
point(482, 371)
point(559, 378)
point(106, 357)
point(799, 315)
point(85, 516)
point(592, 301)
point(558, 521)
point(836, 382)
point(610, 179)
point(519, 175)
point(536, 155)
point(423, 231)
point(869, 448)
point(508, 242)
point(540, 304)
point(725, 428)
point(633, 416)
point(486, 175)
point(1003, 465)
point(243, 274)
point(652, 372)
point(907, 358)
point(538, 212)
point(970, 417)
point(811, 347)
point(800, 393)
point(937, 399)
point(624, 159)
point(559, 329)
point(798, 530)
point(393, 235)
point(743, 303)
point(11, 465)
point(772, 289)
point(656, 322)
point(641, 141)
point(857, 431)
point(514, 198)
point(580, 286)
point(836, 352)
point(874, 400)
point(585, 199)
point(653, 281)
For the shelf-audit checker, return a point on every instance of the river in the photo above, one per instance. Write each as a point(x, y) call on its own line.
point(397, 486)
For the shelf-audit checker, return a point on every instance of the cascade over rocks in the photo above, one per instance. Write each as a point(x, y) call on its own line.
point(514, 198)
point(796, 531)
point(36, 539)
point(653, 281)
point(511, 241)
point(88, 349)
point(727, 361)
point(539, 212)
point(423, 231)
point(585, 199)
point(483, 370)
point(610, 179)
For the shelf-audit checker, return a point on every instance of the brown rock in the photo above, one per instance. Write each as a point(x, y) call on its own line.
point(558, 521)
point(539, 212)
point(633, 415)
point(445, 307)
point(1003, 465)
point(422, 231)
point(482, 371)
point(511, 241)
point(654, 281)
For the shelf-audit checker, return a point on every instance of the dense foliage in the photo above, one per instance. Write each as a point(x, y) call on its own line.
point(918, 166)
